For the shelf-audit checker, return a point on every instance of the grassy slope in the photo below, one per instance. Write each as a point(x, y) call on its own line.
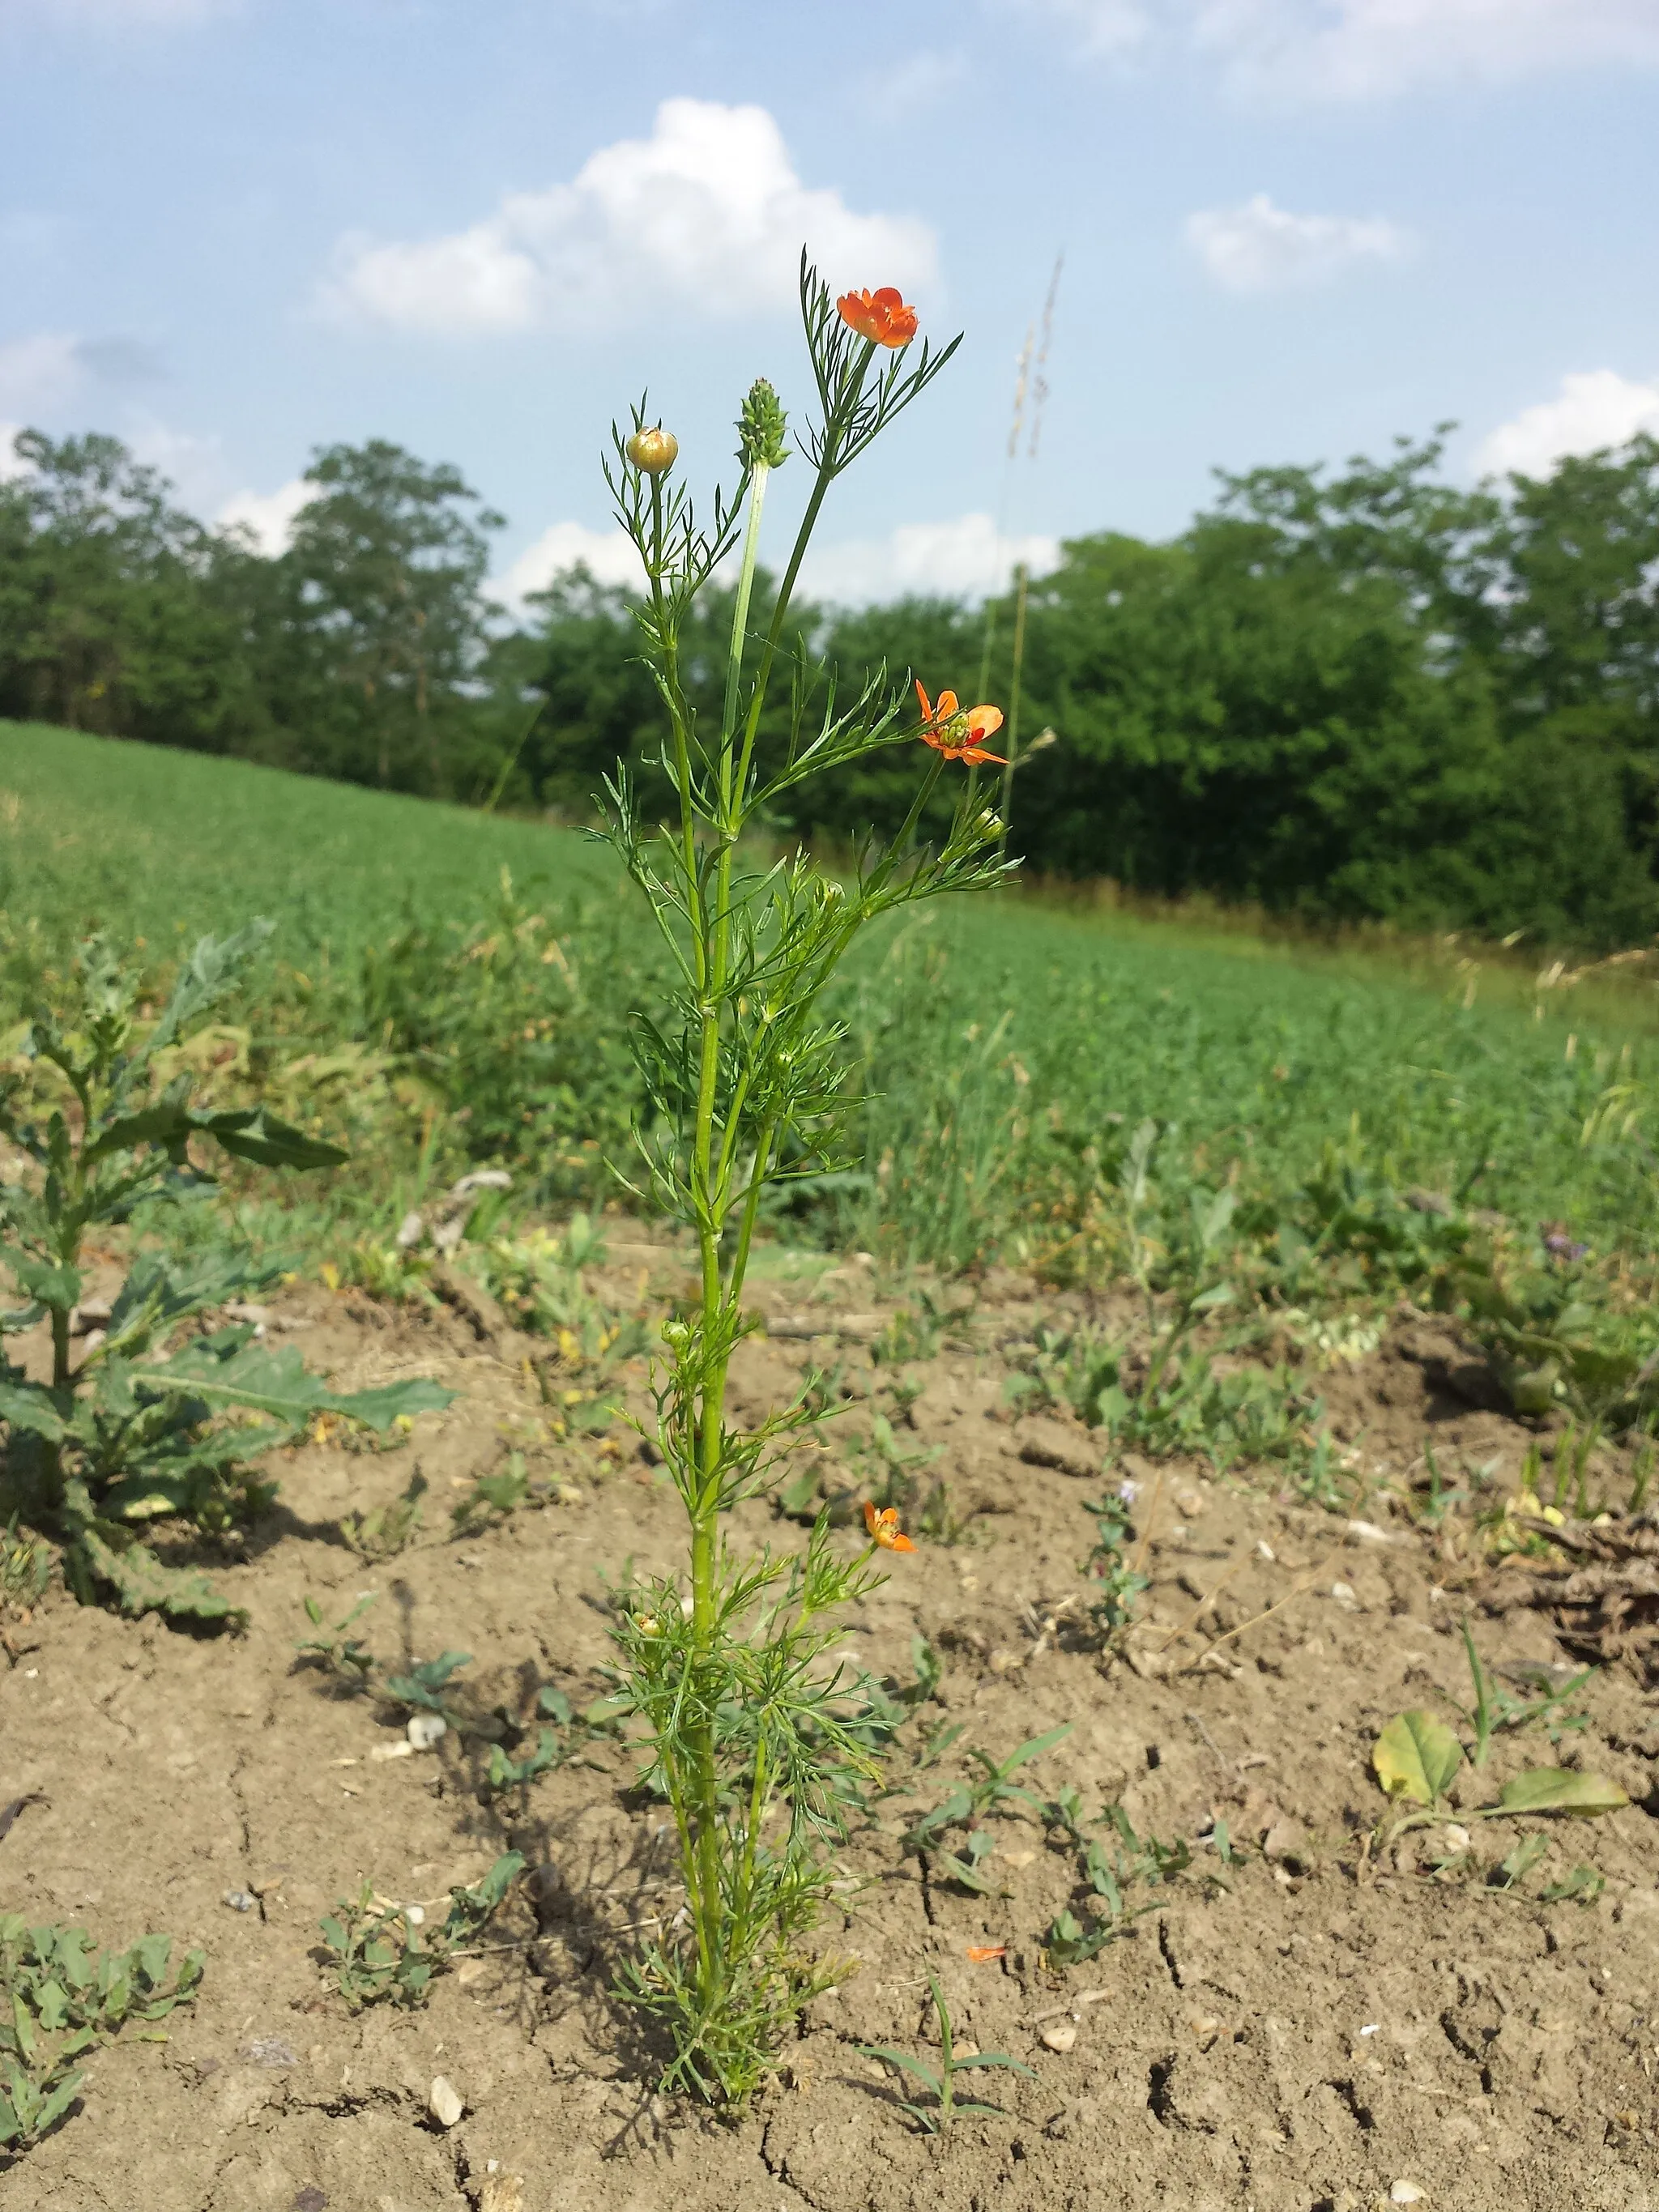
point(999, 1037)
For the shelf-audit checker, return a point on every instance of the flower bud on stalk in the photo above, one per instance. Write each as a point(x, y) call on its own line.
point(761, 426)
point(653, 451)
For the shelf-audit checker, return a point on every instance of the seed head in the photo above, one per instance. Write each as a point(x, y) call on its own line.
point(761, 429)
point(653, 451)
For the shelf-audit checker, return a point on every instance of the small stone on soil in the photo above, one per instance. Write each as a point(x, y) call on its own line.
point(444, 2103)
point(425, 1730)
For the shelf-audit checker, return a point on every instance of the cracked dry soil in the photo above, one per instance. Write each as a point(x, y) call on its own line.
point(1324, 2028)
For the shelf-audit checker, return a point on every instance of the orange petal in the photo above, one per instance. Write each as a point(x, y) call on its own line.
point(926, 711)
point(984, 721)
point(980, 1954)
point(949, 707)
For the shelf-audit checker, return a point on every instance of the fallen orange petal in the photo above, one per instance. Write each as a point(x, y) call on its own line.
point(981, 1954)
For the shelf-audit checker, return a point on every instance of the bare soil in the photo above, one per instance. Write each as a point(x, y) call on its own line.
point(1308, 2030)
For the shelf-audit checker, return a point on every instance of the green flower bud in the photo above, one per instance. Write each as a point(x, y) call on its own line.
point(654, 452)
point(761, 429)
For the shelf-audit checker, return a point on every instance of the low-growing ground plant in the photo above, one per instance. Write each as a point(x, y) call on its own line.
point(136, 1431)
point(347, 1657)
point(1416, 1759)
point(1112, 1867)
point(380, 1951)
point(937, 2117)
point(382, 1532)
point(746, 1079)
point(60, 1999)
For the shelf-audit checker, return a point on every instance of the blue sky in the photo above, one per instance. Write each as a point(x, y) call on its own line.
point(231, 230)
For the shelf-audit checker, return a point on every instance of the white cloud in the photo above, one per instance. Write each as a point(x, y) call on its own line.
point(907, 89)
point(707, 212)
point(1260, 248)
point(961, 559)
point(41, 373)
point(1594, 409)
point(609, 553)
point(49, 370)
point(1101, 27)
point(1367, 49)
point(269, 516)
point(1364, 49)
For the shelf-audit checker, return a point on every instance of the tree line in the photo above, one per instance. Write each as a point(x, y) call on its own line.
point(1349, 694)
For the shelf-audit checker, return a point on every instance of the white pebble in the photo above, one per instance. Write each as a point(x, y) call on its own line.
point(1062, 2036)
point(444, 2103)
point(425, 1731)
point(1370, 2027)
point(240, 1901)
point(1405, 2192)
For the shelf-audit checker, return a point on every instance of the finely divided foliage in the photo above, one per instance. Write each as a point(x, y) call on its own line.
point(745, 1076)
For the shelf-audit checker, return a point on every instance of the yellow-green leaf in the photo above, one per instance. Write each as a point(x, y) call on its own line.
point(1416, 1757)
point(1558, 1789)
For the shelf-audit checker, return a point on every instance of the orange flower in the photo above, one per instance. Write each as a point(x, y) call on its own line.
point(884, 1529)
point(957, 732)
point(882, 317)
point(981, 1954)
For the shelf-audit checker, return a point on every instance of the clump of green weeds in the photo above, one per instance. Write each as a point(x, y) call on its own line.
point(424, 1688)
point(565, 1735)
point(100, 1102)
point(382, 1532)
point(1120, 1579)
point(346, 1657)
point(495, 1497)
point(746, 1075)
point(937, 2117)
point(1111, 1869)
point(25, 1567)
point(989, 1793)
point(60, 1999)
point(380, 1951)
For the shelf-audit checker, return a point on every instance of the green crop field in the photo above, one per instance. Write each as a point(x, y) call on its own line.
point(1010, 1047)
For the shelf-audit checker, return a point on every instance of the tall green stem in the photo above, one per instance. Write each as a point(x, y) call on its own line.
point(708, 1193)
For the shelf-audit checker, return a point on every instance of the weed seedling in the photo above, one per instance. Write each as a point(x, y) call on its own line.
point(935, 2119)
point(1416, 1759)
point(25, 1568)
point(384, 1530)
point(987, 1794)
point(422, 1688)
point(59, 1999)
point(1495, 1709)
point(345, 1656)
point(1108, 1565)
point(494, 1496)
point(374, 1949)
point(1109, 1873)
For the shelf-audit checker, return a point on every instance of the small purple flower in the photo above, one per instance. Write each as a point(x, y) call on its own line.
point(1559, 1241)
